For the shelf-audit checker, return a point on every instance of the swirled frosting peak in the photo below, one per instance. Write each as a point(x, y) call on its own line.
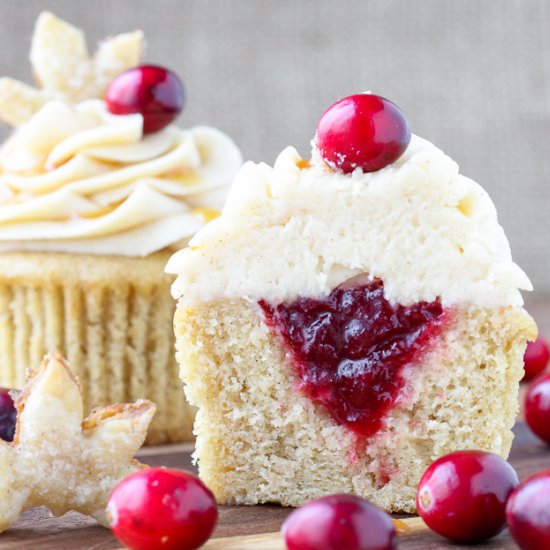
point(77, 178)
point(300, 229)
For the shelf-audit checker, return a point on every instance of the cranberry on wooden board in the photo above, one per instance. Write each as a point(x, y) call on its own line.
point(536, 358)
point(349, 348)
point(8, 415)
point(339, 522)
point(528, 512)
point(462, 495)
point(537, 407)
point(363, 131)
point(151, 90)
point(162, 508)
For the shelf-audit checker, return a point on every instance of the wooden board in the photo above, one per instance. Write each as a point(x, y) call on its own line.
point(240, 528)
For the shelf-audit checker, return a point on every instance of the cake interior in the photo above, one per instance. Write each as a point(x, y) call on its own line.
point(348, 350)
point(261, 438)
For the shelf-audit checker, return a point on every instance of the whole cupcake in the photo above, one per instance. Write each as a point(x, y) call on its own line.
point(94, 197)
point(349, 318)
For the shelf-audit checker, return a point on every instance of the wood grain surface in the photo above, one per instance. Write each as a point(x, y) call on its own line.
point(241, 528)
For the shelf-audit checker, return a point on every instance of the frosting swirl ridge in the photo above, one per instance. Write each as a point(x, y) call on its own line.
point(77, 178)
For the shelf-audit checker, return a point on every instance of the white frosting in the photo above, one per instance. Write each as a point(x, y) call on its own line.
point(79, 179)
point(419, 225)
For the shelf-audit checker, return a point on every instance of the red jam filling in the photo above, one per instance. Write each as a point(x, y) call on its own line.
point(349, 349)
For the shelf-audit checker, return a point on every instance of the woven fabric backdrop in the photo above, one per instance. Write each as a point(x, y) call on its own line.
point(472, 76)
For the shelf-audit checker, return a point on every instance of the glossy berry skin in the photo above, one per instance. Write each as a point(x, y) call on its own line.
point(537, 407)
point(151, 90)
point(8, 416)
point(339, 522)
point(162, 508)
point(528, 512)
point(462, 495)
point(363, 130)
point(536, 358)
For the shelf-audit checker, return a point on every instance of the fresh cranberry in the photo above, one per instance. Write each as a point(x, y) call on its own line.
point(535, 360)
point(528, 512)
point(349, 348)
point(162, 508)
point(8, 416)
point(462, 495)
point(153, 91)
point(537, 407)
point(363, 130)
point(339, 521)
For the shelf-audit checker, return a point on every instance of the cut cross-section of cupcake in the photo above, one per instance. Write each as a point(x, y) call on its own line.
point(339, 328)
point(348, 349)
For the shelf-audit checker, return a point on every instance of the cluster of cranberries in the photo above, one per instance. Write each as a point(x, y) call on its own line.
point(466, 496)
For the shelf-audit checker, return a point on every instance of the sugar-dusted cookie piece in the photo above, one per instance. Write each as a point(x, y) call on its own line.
point(64, 69)
point(57, 459)
point(18, 101)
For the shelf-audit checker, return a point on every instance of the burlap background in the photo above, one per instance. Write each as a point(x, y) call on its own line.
point(471, 75)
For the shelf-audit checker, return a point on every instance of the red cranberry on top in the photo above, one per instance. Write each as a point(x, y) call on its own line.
point(151, 90)
point(363, 131)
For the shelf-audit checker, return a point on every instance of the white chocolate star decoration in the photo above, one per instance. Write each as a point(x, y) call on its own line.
point(57, 459)
point(64, 70)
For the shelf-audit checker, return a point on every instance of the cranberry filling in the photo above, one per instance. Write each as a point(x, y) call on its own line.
point(349, 348)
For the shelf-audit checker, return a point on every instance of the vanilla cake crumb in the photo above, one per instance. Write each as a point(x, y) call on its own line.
point(259, 440)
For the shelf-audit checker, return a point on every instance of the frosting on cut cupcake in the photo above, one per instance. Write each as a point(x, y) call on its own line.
point(76, 178)
point(301, 229)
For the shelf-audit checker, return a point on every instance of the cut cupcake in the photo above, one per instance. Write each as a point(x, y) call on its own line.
point(349, 318)
point(93, 202)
